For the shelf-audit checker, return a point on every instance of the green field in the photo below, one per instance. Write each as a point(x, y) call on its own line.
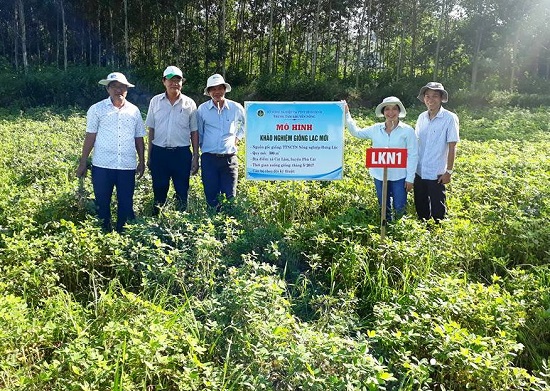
point(292, 290)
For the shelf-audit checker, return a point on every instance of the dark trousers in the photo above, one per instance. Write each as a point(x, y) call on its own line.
point(429, 199)
point(104, 180)
point(174, 164)
point(219, 176)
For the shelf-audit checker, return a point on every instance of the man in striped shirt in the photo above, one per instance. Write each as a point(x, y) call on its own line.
point(437, 131)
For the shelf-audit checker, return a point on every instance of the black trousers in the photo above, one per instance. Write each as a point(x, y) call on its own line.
point(220, 174)
point(429, 199)
point(170, 164)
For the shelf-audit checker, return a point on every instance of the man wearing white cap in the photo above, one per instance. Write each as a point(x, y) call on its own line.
point(437, 130)
point(172, 125)
point(114, 130)
point(221, 126)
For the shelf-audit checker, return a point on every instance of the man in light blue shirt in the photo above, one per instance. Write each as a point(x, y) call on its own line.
point(221, 125)
point(437, 131)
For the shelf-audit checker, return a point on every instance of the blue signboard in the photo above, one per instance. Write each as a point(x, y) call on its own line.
point(294, 140)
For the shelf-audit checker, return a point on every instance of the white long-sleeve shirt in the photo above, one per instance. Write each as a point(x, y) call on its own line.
point(402, 136)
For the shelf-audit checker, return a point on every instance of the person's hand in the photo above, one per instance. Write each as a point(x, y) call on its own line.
point(408, 186)
point(195, 165)
point(444, 178)
point(346, 108)
point(140, 169)
point(82, 169)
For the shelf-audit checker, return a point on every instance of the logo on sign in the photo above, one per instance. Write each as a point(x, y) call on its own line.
point(386, 158)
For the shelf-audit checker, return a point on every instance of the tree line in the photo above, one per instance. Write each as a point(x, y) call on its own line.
point(478, 44)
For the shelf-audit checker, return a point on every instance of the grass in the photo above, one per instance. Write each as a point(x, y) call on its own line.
point(293, 289)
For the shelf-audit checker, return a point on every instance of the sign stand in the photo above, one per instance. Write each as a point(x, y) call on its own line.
point(383, 221)
point(385, 158)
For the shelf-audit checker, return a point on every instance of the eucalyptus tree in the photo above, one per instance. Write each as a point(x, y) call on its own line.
point(526, 28)
point(481, 20)
point(22, 32)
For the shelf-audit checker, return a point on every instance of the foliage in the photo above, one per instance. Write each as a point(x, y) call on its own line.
point(290, 287)
point(452, 332)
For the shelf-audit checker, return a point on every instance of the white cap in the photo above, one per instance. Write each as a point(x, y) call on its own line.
point(172, 71)
point(216, 80)
point(389, 101)
point(115, 76)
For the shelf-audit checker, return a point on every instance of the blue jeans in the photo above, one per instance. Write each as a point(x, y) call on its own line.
point(219, 176)
point(104, 180)
point(166, 164)
point(396, 193)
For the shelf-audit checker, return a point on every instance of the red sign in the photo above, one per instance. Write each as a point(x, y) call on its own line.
point(386, 157)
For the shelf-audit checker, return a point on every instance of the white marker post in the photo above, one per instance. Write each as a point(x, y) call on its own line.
point(385, 158)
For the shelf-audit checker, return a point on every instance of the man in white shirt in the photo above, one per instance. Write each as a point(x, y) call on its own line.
point(437, 130)
point(172, 125)
point(114, 130)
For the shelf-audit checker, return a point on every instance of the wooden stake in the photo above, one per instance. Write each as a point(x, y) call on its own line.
point(383, 220)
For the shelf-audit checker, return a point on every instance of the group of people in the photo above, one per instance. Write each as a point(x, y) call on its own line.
point(177, 130)
point(431, 152)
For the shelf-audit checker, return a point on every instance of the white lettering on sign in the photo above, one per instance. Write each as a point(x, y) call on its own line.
point(387, 158)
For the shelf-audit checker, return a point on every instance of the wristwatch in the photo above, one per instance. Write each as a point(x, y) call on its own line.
point(450, 172)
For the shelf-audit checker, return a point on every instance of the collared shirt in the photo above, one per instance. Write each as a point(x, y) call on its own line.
point(173, 124)
point(402, 136)
point(116, 129)
point(218, 128)
point(434, 137)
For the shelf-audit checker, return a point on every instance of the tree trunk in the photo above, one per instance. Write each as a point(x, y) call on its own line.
point(439, 34)
point(413, 39)
point(399, 65)
point(513, 61)
point(112, 37)
point(57, 40)
point(270, 45)
point(360, 43)
point(206, 36)
point(126, 39)
point(16, 40)
point(23, 35)
point(221, 39)
point(64, 34)
point(475, 62)
point(315, 42)
point(99, 40)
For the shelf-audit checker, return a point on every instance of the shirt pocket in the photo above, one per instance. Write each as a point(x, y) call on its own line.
point(182, 121)
point(233, 123)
